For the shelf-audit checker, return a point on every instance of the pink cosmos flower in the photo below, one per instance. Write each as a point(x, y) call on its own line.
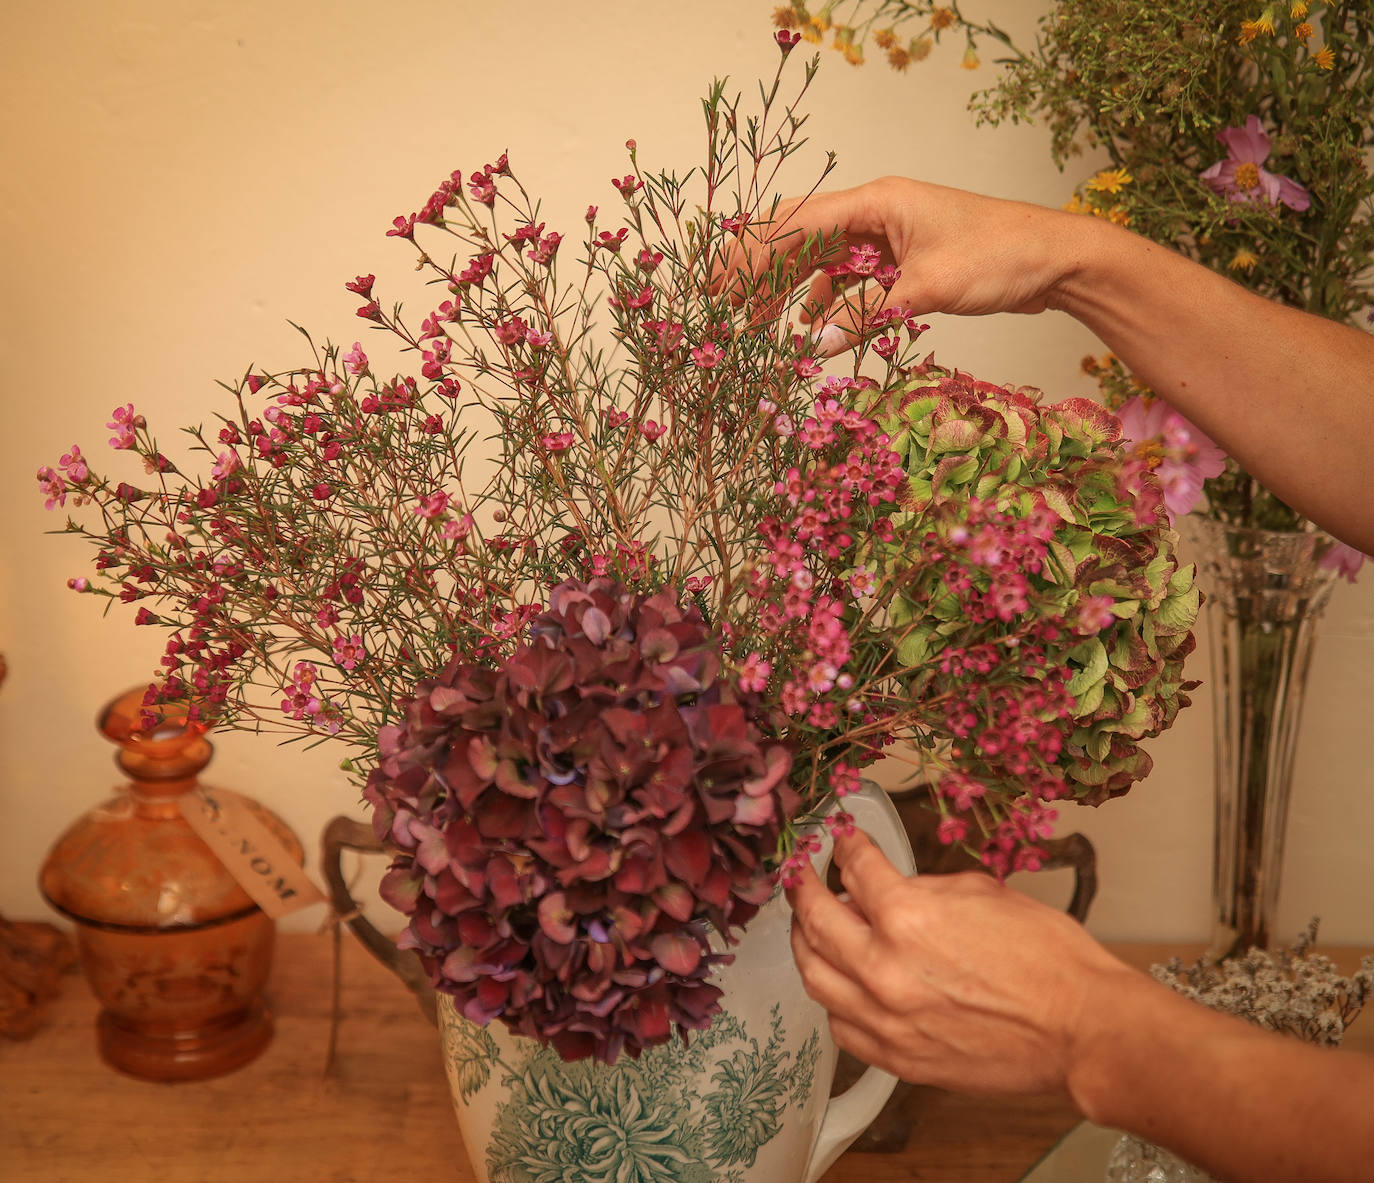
point(1241, 179)
point(1344, 560)
point(1181, 456)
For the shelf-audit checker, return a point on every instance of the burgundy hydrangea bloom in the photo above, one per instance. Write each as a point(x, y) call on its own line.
point(570, 825)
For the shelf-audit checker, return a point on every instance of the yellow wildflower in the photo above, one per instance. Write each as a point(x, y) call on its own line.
point(1118, 216)
point(1325, 57)
point(1249, 30)
point(1076, 205)
point(970, 59)
point(821, 22)
point(898, 58)
point(785, 18)
point(920, 48)
point(1109, 181)
point(1299, 9)
point(1303, 31)
point(811, 34)
point(1243, 260)
point(884, 38)
point(941, 18)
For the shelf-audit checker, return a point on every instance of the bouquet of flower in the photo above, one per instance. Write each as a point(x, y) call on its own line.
point(610, 619)
point(1237, 133)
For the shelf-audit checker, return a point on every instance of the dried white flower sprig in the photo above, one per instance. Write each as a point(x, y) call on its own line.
point(1295, 991)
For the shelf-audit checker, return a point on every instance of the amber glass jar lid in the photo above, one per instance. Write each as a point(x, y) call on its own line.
point(133, 862)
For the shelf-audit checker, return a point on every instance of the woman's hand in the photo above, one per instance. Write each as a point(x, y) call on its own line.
point(951, 980)
point(957, 252)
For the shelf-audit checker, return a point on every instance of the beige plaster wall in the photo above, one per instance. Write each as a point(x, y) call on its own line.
point(181, 178)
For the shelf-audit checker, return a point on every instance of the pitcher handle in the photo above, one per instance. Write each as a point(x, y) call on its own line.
point(343, 833)
point(849, 1114)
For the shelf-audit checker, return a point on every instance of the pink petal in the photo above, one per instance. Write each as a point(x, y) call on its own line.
point(1293, 195)
point(1249, 144)
point(677, 952)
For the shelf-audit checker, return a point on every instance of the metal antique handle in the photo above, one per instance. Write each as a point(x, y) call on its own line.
point(344, 833)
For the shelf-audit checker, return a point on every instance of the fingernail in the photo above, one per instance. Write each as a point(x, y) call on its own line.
point(831, 341)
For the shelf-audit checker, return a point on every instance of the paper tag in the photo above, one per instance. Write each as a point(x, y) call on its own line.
point(250, 852)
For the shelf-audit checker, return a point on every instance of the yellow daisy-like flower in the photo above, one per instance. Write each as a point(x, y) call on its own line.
point(884, 38)
point(941, 18)
point(1076, 205)
point(1109, 181)
point(1325, 57)
point(1249, 30)
point(898, 58)
point(786, 18)
point(1303, 31)
point(1243, 260)
point(821, 22)
point(970, 59)
point(920, 48)
point(1118, 216)
point(811, 34)
point(1298, 9)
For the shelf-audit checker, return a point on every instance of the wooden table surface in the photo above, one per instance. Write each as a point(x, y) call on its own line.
point(384, 1113)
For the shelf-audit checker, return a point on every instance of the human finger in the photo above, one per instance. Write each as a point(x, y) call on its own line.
point(833, 986)
point(837, 930)
point(867, 874)
point(759, 247)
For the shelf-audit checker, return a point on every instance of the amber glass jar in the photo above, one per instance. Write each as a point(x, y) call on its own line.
point(175, 950)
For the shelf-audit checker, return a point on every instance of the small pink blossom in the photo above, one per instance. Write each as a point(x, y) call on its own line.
point(862, 582)
point(355, 360)
point(456, 529)
point(951, 830)
point(558, 441)
point(348, 651)
point(708, 355)
point(1093, 615)
point(53, 486)
point(652, 430)
point(864, 259)
point(74, 464)
point(123, 423)
point(226, 463)
point(432, 504)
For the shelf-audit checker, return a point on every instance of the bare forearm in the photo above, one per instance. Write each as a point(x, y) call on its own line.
point(1290, 395)
point(1179, 1074)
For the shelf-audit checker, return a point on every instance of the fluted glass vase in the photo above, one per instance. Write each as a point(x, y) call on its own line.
point(1266, 590)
